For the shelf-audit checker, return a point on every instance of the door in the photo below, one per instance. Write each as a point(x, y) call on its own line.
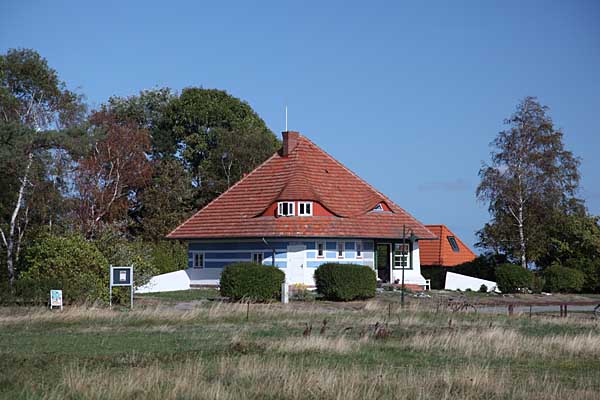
point(296, 264)
point(383, 262)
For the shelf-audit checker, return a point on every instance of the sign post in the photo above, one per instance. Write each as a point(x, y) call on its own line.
point(56, 299)
point(121, 276)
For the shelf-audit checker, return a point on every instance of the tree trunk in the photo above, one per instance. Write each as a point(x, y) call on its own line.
point(9, 241)
point(522, 237)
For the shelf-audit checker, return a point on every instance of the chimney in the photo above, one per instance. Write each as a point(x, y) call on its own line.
point(290, 140)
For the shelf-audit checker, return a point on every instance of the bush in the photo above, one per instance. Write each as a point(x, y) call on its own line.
point(69, 263)
point(563, 279)
point(345, 281)
point(483, 288)
point(252, 281)
point(512, 278)
point(169, 256)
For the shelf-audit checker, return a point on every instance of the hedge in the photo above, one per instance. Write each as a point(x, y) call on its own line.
point(246, 280)
point(562, 279)
point(345, 281)
point(512, 278)
point(69, 263)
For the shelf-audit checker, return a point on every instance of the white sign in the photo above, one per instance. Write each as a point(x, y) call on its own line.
point(56, 299)
point(123, 276)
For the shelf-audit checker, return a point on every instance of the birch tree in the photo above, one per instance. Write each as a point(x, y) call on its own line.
point(530, 176)
point(32, 101)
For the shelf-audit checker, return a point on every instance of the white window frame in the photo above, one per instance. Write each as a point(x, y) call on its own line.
point(290, 208)
point(341, 248)
point(195, 255)
point(304, 204)
point(323, 250)
point(260, 255)
point(398, 253)
point(358, 247)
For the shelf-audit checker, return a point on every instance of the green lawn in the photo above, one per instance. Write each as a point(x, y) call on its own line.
point(217, 350)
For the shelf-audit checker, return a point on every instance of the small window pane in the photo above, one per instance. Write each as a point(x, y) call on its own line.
point(340, 249)
point(320, 249)
point(453, 244)
point(358, 249)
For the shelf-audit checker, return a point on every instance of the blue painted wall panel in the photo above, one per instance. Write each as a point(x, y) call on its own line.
point(311, 254)
point(232, 255)
point(349, 245)
point(331, 254)
point(331, 245)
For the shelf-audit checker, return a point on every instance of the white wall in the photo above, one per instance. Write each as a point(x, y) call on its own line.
point(456, 281)
point(178, 280)
point(411, 276)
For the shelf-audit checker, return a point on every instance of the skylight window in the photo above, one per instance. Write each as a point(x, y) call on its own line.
point(453, 244)
point(285, 208)
point(305, 208)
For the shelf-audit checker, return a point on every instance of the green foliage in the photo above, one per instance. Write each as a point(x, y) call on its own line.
point(345, 282)
point(122, 252)
point(169, 256)
point(483, 288)
point(563, 279)
point(221, 136)
point(575, 243)
point(69, 263)
point(246, 280)
point(513, 278)
point(482, 267)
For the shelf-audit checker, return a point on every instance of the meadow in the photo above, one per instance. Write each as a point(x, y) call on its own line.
point(189, 345)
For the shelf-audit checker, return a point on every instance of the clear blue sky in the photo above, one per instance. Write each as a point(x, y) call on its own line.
point(407, 95)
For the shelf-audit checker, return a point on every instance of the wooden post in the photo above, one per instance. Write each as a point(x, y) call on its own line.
point(511, 309)
point(390, 312)
point(248, 311)
point(530, 306)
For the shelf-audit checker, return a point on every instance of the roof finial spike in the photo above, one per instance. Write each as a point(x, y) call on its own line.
point(286, 126)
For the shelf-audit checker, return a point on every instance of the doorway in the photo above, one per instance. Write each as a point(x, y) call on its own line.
point(383, 261)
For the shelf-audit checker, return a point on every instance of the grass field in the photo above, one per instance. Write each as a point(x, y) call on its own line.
point(215, 350)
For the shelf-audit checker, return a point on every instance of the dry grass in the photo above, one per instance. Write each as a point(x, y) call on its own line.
point(212, 352)
point(252, 377)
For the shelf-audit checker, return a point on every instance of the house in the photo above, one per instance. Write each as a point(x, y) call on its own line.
point(299, 209)
point(449, 251)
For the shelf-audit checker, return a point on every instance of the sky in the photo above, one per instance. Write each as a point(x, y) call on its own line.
point(408, 95)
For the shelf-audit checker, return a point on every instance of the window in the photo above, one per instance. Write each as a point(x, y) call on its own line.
point(320, 249)
point(453, 244)
point(401, 253)
point(378, 208)
point(359, 248)
point(340, 249)
point(285, 208)
point(305, 208)
point(258, 257)
point(197, 259)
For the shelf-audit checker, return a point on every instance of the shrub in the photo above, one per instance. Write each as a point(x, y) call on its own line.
point(252, 281)
point(169, 256)
point(69, 263)
point(512, 278)
point(563, 279)
point(483, 288)
point(345, 281)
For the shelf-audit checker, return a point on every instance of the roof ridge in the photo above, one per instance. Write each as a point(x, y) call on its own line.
point(363, 181)
point(224, 193)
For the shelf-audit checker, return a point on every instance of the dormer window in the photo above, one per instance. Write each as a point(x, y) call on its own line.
point(378, 208)
point(285, 208)
point(305, 208)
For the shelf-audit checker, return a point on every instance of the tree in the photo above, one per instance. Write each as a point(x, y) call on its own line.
point(531, 174)
point(206, 129)
point(110, 175)
point(33, 102)
point(575, 243)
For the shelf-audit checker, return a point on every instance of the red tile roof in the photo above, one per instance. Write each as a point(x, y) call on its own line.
point(439, 252)
point(306, 173)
